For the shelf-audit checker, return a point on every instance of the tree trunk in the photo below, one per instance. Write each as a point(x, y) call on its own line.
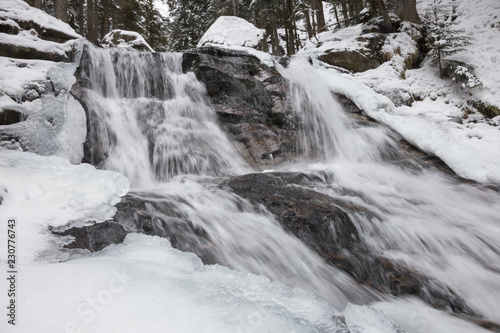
point(61, 10)
point(406, 10)
point(106, 27)
point(308, 24)
point(38, 4)
point(81, 18)
point(91, 21)
point(385, 15)
point(373, 7)
point(344, 13)
point(235, 12)
point(336, 15)
point(289, 33)
point(317, 5)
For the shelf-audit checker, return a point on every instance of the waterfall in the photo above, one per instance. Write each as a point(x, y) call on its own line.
point(154, 124)
point(152, 121)
point(423, 219)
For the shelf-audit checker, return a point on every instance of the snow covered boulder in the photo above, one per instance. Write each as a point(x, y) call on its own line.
point(126, 39)
point(29, 33)
point(232, 31)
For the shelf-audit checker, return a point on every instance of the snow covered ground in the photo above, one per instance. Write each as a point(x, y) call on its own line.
point(471, 147)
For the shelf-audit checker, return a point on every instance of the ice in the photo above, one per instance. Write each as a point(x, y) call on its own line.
point(414, 316)
point(365, 319)
point(145, 285)
point(48, 192)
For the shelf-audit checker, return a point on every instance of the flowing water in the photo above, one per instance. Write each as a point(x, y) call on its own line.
point(154, 124)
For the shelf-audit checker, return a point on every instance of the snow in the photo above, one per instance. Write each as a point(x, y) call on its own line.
point(232, 31)
point(126, 39)
point(48, 192)
point(471, 147)
point(144, 285)
point(18, 10)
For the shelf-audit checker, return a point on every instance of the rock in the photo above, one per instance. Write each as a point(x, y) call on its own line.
point(126, 39)
point(9, 117)
point(367, 56)
point(250, 100)
point(324, 224)
point(146, 213)
point(352, 60)
point(233, 31)
point(29, 52)
point(95, 237)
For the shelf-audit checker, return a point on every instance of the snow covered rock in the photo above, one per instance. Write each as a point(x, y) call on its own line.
point(126, 39)
point(232, 31)
point(29, 33)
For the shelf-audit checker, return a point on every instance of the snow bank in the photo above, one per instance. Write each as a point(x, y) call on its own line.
point(126, 39)
point(48, 192)
point(144, 285)
point(232, 31)
point(472, 151)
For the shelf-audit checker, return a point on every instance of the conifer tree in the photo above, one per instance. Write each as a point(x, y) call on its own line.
point(444, 40)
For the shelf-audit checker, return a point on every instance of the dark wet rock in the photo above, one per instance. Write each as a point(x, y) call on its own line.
point(250, 100)
point(95, 237)
point(324, 224)
point(9, 117)
point(9, 27)
point(377, 24)
point(29, 52)
point(150, 214)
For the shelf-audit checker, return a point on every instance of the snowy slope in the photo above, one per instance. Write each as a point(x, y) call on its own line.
point(433, 122)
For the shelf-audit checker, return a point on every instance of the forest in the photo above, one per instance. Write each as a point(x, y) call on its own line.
point(188, 20)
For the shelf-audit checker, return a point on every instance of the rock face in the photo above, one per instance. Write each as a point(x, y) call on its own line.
point(251, 103)
point(324, 224)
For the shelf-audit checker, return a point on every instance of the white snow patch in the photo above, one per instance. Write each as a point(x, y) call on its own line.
point(48, 192)
point(144, 285)
point(232, 31)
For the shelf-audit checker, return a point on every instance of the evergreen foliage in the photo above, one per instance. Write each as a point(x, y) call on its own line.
point(444, 40)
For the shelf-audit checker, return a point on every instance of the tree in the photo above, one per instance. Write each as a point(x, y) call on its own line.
point(406, 10)
point(443, 41)
point(385, 15)
point(61, 10)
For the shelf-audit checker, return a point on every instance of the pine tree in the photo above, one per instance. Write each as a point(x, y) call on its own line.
point(444, 40)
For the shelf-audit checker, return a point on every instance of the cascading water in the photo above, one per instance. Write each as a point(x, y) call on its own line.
point(153, 124)
point(152, 121)
point(424, 219)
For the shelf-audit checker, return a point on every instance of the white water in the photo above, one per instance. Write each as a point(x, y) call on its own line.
point(152, 121)
point(426, 220)
point(158, 127)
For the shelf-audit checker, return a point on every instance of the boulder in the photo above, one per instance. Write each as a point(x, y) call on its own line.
point(233, 31)
point(324, 224)
point(126, 39)
point(250, 100)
